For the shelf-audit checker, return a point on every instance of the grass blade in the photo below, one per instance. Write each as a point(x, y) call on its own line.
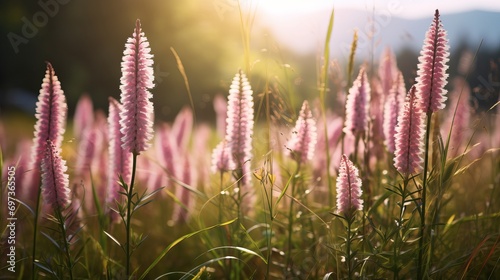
point(179, 240)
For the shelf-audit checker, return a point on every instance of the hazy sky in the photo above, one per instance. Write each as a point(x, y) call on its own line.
point(400, 8)
point(301, 24)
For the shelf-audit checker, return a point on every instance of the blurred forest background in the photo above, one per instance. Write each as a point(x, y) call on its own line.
point(84, 41)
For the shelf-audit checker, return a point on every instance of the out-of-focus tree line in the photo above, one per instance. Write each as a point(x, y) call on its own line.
point(84, 41)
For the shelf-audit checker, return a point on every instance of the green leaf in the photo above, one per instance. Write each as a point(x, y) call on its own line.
point(51, 240)
point(327, 276)
point(179, 240)
point(38, 264)
point(112, 238)
point(241, 249)
point(283, 192)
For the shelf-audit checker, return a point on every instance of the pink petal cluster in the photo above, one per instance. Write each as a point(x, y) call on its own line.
point(168, 151)
point(51, 112)
point(83, 117)
point(89, 149)
point(458, 121)
point(55, 182)
point(183, 127)
point(432, 68)
point(239, 127)
point(392, 107)
point(388, 70)
point(357, 105)
point(119, 159)
point(136, 118)
point(220, 107)
point(304, 136)
point(222, 159)
point(409, 136)
point(189, 178)
point(348, 187)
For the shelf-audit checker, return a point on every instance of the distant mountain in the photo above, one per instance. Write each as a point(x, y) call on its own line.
point(306, 32)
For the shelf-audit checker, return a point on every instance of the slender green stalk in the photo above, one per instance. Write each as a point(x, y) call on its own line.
point(290, 217)
point(62, 224)
point(357, 137)
point(421, 242)
point(237, 267)
point(221, 195)
point(400, 222)
point(322, 92)
point(350, 65)
point(222, 229)
point(130, 195)
point(349, 219)
point(35, 231)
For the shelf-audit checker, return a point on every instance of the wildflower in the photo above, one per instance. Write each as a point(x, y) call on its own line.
point(51, 112)
point(136, 117)
point(189, 178)
point(432, 68)
point(348, 187)
point(393, 105)
point(357, 105)
point(220, 107)
point(303, 140)
point(89, 148)
point(84, 116)
point(458, 121)
point(55, 181)
point(387, 70)
point(119, 160)
point(239, 127)
point(222, 160)
point(182, 127)
point(167, 151)
point(409, 137)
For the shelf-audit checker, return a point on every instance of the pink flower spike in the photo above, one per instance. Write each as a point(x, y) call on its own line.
point(220, 107)
point(136, 118)
point(189, 178)
point(183, 127)
point(167, 151)
point(393, 105)
point(55, 181)
point(348, 187)
point(387, 70)
point(431, 75)
point(222, 160)
point(84, 115)
point(409, 137)
point(303, 140)
point(357, 105)
point(119, 160)
point(89, 148)
point(239, 129)
point(51, 112)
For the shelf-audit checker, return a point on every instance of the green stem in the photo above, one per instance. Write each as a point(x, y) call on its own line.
point(130, 195)
point(424, 196)
point(348, 248)
point(221, 195)
point(397, 239)
point(290, 217)
point(35, 231)
point(269, 237)
point(237, 267)
point(322, 96)
point(62, 224)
